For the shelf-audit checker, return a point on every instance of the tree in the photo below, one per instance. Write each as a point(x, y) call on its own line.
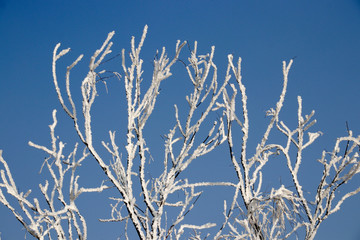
point(145, 202)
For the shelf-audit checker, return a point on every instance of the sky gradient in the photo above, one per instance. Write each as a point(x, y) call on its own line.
point(322, 36)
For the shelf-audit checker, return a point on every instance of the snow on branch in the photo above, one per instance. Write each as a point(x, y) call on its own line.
point(156, 204)
point(48, 220)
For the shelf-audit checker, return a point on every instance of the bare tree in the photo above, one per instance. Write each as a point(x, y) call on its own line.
point(143, 201)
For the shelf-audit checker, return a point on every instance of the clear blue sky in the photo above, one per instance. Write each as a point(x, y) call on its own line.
point(324, 36)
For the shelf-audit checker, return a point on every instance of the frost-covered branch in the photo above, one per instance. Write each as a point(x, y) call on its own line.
point(157, 203)
point(285, 207)
point(40, 220)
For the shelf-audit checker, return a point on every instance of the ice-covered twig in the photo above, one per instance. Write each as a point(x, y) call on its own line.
point(146, 194)
point(42, 220)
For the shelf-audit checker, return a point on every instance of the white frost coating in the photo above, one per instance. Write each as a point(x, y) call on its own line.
point(253, 212)
point(40, 221)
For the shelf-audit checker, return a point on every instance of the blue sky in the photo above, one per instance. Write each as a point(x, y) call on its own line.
point(323, 36)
